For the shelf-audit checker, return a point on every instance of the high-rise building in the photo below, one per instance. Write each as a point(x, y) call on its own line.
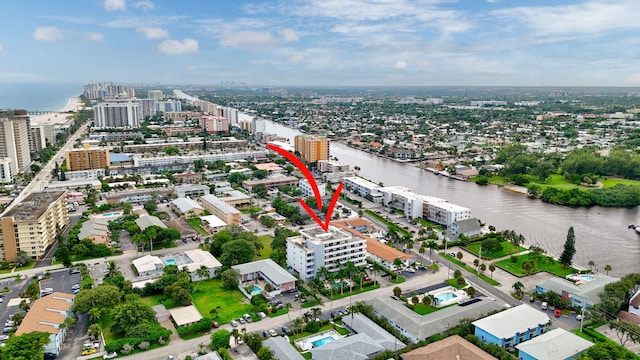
point(312, 148)
point(103, 90)
point(155, 95)
point(148, 107)
point(14, 139)
point(168, 106)
point(117, 112)
point(214, 124)
point(32, 225)
point(6, 176)
point(87, 159)
point(316, 248)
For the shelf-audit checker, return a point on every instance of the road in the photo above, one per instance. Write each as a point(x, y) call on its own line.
point(43, 178)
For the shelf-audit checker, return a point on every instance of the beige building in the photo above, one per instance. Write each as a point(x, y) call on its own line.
point(312, 148)
point(87, 159)
point(219, 208)
point(14, 139)
point(31, 226)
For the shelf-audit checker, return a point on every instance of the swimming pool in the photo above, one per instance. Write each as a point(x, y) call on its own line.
point(580, 277)
point(170, 262)
point(444, 296)
point(255, 290)
point(322, 341)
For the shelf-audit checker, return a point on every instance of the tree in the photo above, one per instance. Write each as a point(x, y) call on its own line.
point(592, 264)
point(492, 268)
point(460, 281)
point(397, 291)
point(431, 245)
point(203, 274)
point(459, 255)
point(230, 278)
point(483, 267)
point(103, 296)
point(151, 206)
point(22, 259)
point(476, 263)
point(94, 331)
point(17, 318)
point(130, 314)
point(237, 252)
point(267, 221)
point(28, 346)
point(266, 354)
point(172, 150)
point(608, 268)
point(260, 190)
point(220, 339)
point(471, 291)
point(518, 287)
point(625, 331)
point(112, 269)
point(569, 249)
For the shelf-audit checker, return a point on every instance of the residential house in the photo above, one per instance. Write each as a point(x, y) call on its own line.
point(452, 347)
point(512, 326)
point(467, 227)
point(266, 270)
point(97, 230)
point(235, 197)
point(557, 344)
point(147, 221)
point(282, 349)
point(46, 315)
point(191, 191)
point(148, 265)
point(358, 224)
point(212, 223)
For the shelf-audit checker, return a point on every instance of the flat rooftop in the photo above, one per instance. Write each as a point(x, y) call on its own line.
point(34, 205)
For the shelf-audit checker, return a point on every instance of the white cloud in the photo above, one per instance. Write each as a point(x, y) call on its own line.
point(139, 21)
point(400, 64)
point(114, 5)
point(153, 32)
point(94, 36)
point(177, 47)
point(288, 35)
point(47, 33)
point(145, 5)
point(248, 39)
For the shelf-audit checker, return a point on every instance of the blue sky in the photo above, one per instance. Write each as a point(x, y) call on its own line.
point(323, 42)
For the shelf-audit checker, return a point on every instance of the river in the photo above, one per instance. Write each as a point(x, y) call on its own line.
point(601, 233)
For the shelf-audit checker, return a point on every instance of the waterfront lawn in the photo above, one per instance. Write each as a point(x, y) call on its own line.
point(496, 180)
point(613, 182)
point(427, 223)
point(196, 225)
point(157, 299)
point(266, 251)
point(543, 264)
point(212, 293)
point(507, 249)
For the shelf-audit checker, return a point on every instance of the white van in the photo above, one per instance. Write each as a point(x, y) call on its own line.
point(544, 306)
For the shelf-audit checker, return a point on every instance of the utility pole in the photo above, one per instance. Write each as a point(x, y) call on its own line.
point(581, 319)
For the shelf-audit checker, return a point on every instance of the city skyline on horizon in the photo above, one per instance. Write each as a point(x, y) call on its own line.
point(332, 43)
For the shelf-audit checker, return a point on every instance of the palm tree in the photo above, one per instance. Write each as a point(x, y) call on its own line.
point(259, 246)
point(432, 245)
point(377, 267)
point(297, 324)
point(422, 250)
point(398, 265)
point(202, 273)
point(518, 286)
point(112, 269)
point(592, 264)
point(476, 263)
point(288, 306)
point(235, 333)
point(483, 267)
point(215, 311)
point(94, 315)
point(492, 268)
point(608, 268)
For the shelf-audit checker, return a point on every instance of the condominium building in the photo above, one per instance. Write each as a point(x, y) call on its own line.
point(271, 182)
point(316, 248)
point(191, 191)
point(117, 112)
point(102, 90)
point(148, 107)
point(213, 124)
point(14, 139)
point(362, 186)
point(168, 106)
point(312, 148)
point(87, 159)
point(155, 95)
point(6, 176)
point(38, 137)
point(307, 189)
point(221, 209)
point(189, 159)
point(32, 225)
point(332, 166)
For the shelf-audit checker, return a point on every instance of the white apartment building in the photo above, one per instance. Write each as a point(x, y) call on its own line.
point(191, 191)
point(117, 112)
point(442, 212)
point(155, 94)
point(307, 190)
point(332, 166)
point(139, 160)
point(84, 174)
point(315, 248)
point(6, 176)
point(14, 139)
point(400, 197)
point(361, 186)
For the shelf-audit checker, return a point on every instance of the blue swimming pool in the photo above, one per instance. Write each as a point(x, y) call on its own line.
point(444, 296)
point(255, 290)
point(322, 341)
point(170, 262)
point(586, 277)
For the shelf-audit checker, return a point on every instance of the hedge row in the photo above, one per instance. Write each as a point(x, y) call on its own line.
point(154, 337)
point(203, 325)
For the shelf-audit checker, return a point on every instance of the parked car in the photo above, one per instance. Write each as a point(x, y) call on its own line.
point(241, 320)
point(262, 315)
point(49, 356)
point(233, 323)
point(110, 355)
point(532, 299)
point(246, 316)
point(89, 351)
point(215, 324)
point(285, 330)
point(544, 305)
point(265, 334)
point(557, 313)
point(273, 332)
point(75, 287)
point(579, 317)
point(4, 337)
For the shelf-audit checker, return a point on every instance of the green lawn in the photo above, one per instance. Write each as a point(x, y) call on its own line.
point(397, 280)
point(507, 249)
point(387, 222)
point(266, 251)
point(486, 278)
point(422, 309)
point(160, 299)
point(497, 180)
point(613, 182)
point(196, 225)
point(9, 269)
point(337, 295)
point(249, 209)
point(542, 264)
point(212, 293)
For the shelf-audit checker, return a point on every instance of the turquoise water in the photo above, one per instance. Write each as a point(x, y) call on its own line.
point(586, 277)
point(445, 296)
point(170, 262)
point(322, 341)
point(255, 290)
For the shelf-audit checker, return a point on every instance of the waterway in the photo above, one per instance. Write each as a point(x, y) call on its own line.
point(601, 233)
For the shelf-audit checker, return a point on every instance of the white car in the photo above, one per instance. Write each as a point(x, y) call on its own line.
point(4, 337)
point(110, 355)
point(579, 317)
point(272, 332)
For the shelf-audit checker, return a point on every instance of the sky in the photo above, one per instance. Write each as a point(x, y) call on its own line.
point(323, 42)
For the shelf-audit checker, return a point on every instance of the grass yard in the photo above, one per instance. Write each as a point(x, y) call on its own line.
point(496, 180)
point(9, 269)
point(613, 182)
point(196, 225)
point(486, 278)
point(422, 309)
point(212, 293)
point(337, 294)
point(397, 280)
point(542, 264)
point(507, 249)
point(157, 299)
point(266, 251)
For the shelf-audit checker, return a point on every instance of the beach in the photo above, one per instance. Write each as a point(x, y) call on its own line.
point(60, 116)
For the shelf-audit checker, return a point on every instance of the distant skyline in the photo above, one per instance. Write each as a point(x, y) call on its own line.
point(323, 42)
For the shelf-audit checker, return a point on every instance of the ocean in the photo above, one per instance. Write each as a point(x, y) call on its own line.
point(37, 96)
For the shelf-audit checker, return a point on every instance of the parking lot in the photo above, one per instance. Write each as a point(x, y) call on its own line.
point(16, 288)
point(61, 281)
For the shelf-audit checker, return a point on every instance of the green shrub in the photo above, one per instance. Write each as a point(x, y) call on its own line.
point(312, 327)
point(203, 325)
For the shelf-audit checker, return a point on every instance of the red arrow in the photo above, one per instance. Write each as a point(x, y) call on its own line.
point(316, 192)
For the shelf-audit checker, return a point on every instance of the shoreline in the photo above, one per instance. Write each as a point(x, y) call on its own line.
point(74, 104)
